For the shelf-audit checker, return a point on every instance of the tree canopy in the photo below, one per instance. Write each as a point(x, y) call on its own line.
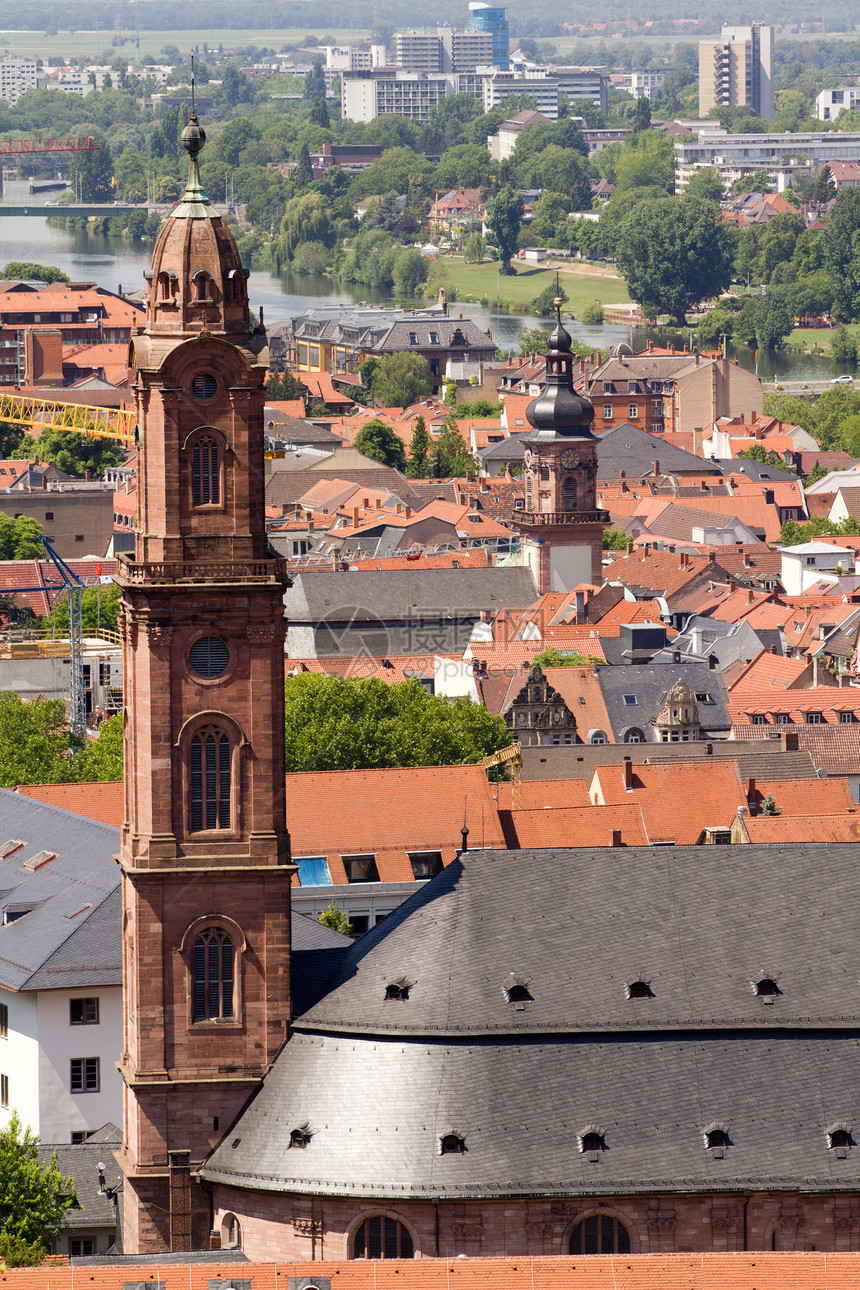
point(504, 219)
point(378, 441)
point(34, 1197)
point(19, 538)
point(400, 379)
point(76, 454)
point(336, 724)
point(34, 742)
point(674, 254)
point(25, 269)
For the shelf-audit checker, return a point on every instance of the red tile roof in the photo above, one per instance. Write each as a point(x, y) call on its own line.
point(102, 802)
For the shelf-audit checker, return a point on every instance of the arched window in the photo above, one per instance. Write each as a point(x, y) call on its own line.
point(569, 494)
point(634, 736)
point(231, 1233)
point(600, 1234)
point(205, 472)
point(212, 995)
point(211, 757)
point(201, 282)
point(717, 1138)
point(382, 1238)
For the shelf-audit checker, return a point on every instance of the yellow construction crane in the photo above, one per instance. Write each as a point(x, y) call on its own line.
point(96, 423)
point(512, 756)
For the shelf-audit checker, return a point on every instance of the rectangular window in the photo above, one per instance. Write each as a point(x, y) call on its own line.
point(49, 515)
point(813, 719)
point(85, 1074)
point(4, 1021)
point(4, 1090)
point(759, 719)
point(630, 700)
point(79, 1136)
point(846, 718)
point(81, 1247)
point(413, 338)
point(425, 864)
point(607, 412)
point(83, 1012)
point(632, 411)
point(360, 923)
point(360, 868)
point(783, 719)
point(79, 537)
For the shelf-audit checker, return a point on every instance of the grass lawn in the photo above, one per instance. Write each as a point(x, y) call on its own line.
point(582, 283)
point(812, 338)
point(86, 44)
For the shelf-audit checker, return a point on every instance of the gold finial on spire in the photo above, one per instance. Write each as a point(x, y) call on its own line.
point(558, 302)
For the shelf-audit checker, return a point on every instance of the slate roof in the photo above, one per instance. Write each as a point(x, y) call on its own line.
point(634, 451)
point(80, 1162)
point(521, 1085)
point(72, 936)
point(392, 594)
point(651, 682)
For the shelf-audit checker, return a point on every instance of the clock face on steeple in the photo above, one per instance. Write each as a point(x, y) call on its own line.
point(570, 458)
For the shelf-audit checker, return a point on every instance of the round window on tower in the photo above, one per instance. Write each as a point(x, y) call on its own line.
point(209, 657)
point(204, 386)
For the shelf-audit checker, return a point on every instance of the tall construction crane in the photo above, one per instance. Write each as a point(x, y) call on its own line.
point(97, 423)
point(512, 756)
point(69, 582)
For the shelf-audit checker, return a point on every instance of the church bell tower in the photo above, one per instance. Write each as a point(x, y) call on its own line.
point(205, 851)
point(561, 527)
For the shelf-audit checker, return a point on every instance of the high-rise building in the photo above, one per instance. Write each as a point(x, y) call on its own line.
point(489, 18)
point(737, 70)
point(17, 75)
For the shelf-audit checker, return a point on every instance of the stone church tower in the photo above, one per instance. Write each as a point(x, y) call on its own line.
point(561, 528)
point(205, 850)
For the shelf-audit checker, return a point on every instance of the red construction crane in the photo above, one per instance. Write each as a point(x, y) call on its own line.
point(14, 147)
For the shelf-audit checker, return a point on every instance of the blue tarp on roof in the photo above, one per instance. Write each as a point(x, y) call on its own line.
point(313, 871)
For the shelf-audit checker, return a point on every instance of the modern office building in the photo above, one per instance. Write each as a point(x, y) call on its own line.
point(832, 103)
point(490, 19)
point(544, 84)
point(737, 70)
point(17, 75)
point(378, 91)
point(445, 50)
point(783, 155)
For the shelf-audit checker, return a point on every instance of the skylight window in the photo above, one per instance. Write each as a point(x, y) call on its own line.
point(630, 700)
point(9, 848)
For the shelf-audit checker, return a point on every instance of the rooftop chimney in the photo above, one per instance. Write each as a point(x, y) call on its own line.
point(355, 517)
point(628, 774)
point(580, 608)
point(655, 465)
point(616, 837)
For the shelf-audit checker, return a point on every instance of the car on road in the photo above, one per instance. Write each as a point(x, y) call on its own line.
point(842, 380)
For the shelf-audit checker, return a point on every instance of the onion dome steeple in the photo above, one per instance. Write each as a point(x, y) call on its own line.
point(558, 411)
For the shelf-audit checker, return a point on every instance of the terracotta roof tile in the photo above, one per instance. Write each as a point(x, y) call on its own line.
point(102, 802)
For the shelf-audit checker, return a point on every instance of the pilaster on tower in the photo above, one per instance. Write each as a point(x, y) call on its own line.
point(561, 527)
point(205, 849)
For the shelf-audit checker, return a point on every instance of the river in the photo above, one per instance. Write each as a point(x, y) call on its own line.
point(117, 263)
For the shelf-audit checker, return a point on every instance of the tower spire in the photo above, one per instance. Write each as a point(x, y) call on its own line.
point(195, 204)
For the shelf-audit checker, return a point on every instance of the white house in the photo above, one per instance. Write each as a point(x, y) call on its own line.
point(810, 562)
point(60, 970)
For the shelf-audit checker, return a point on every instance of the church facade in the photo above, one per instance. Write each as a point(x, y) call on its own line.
point(542, 1051)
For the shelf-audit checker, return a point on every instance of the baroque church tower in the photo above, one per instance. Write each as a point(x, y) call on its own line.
point(561, 527)
point(205, 850)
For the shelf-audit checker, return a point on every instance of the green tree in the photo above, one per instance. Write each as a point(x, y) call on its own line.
point(400, 379)
point(559, 658)
point(674, 254)
point(769, 806)
point(34, 744)
point(76, 454)
point(337, 724)
point(11, 438)
point(410, 269)
point(378, 441)
point(707, 183)
point(315, 81)
point(34, 1197)
point(717, 323)
point(334, 917)
point(842, 253)
point(476, 249)
point(543, 305)
point(99, 610)
point(504, 219)
point(591, 314)
point(614, 540)
point(642, 114)
point(306, 219)
point(319, 113)
point(285, 387)
point(450, 457)
point(26, 269)
point(90, 173)
point(532, 340)
point(416, 466)
point(559, 170)
point(843, 346)
point(20, 539)
point(235, 136)
point(101, 759)
point(757, 452)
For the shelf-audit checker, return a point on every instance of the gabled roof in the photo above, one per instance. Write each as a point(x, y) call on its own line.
point(72, 934)
point(631, 450)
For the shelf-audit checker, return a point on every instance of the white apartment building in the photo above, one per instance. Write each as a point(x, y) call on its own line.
point(373, 92)
point(17, 75)
point(545, 84)
point(645, 85)
point(350, 58)
point(830, 104)
point(738, 155)
point(69, 80)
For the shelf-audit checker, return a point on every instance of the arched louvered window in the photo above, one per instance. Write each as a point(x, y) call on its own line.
point(205, 472)
point(214, 975)
point(569, 494)
point(600, 1234)
point(382, 1238)
point(211, 758)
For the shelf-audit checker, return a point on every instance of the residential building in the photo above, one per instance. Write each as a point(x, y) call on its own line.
point(445, 50)
point(545, 84)
point(17, 75)
point(77, 517)
point(351, 57)
point(737, 155)
point(502, 143)
point(805, 564)
point(830, 104)
point(646, 84)
point(376, 91)
point(492, 19)
point(737, 70)
point(91, 1224)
